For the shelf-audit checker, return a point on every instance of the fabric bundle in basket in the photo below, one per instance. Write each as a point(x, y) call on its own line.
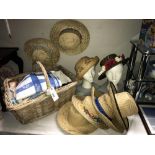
point(34, 84)
point(31, 109)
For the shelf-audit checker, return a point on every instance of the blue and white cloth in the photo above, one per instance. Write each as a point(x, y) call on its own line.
point(34, 84)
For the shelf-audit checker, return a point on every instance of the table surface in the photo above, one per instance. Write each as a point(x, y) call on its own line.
point(48, 126)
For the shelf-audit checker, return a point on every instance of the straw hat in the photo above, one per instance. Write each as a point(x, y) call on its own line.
point(87, 110)
point(109, 62)
point(114, 108)
point(71, 121)
point(84, 64)
point(42, 50)
point(70, 36)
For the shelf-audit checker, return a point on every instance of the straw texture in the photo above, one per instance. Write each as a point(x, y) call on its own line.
point(84, 64)
point(70, 36)
point(87, 110)
point(31, 109)
point(40, 49)
point(71, 121)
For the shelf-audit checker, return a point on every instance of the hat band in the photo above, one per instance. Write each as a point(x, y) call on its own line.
point(95, 118)
point(71, 30)
point(101, 109)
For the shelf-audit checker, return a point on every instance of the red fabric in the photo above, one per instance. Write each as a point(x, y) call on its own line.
point(110, 63)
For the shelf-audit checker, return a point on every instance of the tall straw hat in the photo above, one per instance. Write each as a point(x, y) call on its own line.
point(70, 36)
point(114, 108)
point(71, 121)
point(87, 110)
point(40, 49)
point(84, 64)
point(109, 62)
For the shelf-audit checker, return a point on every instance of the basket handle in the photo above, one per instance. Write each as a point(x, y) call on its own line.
point(45, 74)
point(50, 90)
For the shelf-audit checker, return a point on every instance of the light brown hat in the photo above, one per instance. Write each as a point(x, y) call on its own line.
point(40, 49)
point(114, 108)
point(86, 109)
point(70, 36)
point(84, 64)
point(71, 121)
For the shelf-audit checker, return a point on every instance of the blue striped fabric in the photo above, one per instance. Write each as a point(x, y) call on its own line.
point(35, 83)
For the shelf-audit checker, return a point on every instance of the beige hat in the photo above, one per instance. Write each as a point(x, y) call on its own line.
point(84, 64)
point(114, 108)
point(70, 36)
point(42, 50)
point(87, 110)
point(71, 121)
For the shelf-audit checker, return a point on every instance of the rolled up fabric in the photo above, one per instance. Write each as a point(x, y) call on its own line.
point(34, 84)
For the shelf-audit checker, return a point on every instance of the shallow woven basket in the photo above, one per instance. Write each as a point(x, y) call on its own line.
point(31, 109)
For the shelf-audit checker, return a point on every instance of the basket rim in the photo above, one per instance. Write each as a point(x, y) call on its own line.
point(39, 98)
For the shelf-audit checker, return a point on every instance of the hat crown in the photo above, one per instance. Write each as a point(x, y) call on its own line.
point(39, 55)
point(84, 64)
point(69, 40)
point(110, 56)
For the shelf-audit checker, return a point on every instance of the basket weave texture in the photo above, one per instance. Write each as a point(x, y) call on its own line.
point(31, 109)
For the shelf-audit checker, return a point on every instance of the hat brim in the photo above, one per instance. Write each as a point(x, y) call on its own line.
point(103, 75)
point(80, 108)
point(124, 123)
point(70, 24)
point(62, 120)
point(110, 123)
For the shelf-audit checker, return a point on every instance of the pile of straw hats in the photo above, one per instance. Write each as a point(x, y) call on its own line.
point(107, 111)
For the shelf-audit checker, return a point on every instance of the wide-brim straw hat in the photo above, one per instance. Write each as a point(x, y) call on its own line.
point(124, 105)
point(70, 36)
point(109, 121)
point(84, 64)
point(72, 122)
point(86, 109)
point(114, 108)
point(41, 49)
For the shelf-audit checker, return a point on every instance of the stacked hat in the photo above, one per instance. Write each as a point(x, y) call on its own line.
point(113, 108)
point(84, 64)
point(107, 111)
point(109, 62)
point(72, 122)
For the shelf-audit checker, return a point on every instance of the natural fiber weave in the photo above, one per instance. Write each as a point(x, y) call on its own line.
point(40, 49)
point(70, 36)
point(88, 111)
point(72, 122)
point(31, 109)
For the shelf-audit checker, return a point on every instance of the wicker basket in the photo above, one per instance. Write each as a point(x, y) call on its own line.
point(31, 109)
